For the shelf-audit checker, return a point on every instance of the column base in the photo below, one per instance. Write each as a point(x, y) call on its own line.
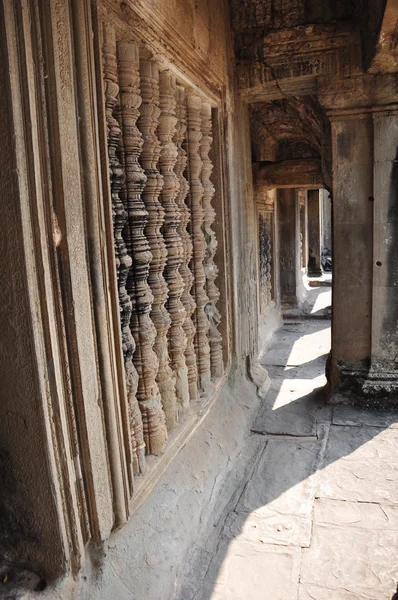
point(381, 389)
point(368, 389)
point(314, 273)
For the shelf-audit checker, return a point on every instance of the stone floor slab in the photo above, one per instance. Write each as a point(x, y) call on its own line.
point(293, 407)
point(359, 515)
point(360, 482)
point(283, 480)
point(361, 443)
point(270, 527)
point(312, 592)
point(312, 518)
point(360, 464)
point(351, 560)
point(354, 416)
point(256, 572)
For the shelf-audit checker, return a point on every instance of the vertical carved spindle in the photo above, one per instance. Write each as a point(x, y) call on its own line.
point(123, 260)
point(136, 243)
point(153, 421)
point(185, 217)
point(201, 341)
point(210, 268)
point(168, 158)
point(148, 123)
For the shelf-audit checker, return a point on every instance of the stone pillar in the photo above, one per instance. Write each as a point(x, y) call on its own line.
point(381, 385)
point(352, 147)
point(303, 210)
point(326, 220)
point(289, 247)
point(314, 234)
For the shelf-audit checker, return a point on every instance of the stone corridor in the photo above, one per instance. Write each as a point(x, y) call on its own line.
point(314, 515)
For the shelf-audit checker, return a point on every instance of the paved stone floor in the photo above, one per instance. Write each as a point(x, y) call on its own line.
point(314, 515)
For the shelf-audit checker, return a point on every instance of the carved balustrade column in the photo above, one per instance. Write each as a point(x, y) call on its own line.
point(171, 183)
point(136, 242)
point(185, 218)
point(201, 321)
point(210, 268)
point(148, 123)
point(122, 258)
point(145, 360)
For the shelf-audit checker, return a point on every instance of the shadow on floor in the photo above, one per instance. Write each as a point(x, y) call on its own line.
point(292, 461)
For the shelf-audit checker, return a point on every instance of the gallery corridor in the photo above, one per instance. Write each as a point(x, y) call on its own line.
point(313, 513)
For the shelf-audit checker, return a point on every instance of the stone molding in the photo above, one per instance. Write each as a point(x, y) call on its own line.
point(138, 17)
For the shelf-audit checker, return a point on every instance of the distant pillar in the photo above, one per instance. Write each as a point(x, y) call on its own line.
point(326, 220)
point(289, 247)
point(314, 234)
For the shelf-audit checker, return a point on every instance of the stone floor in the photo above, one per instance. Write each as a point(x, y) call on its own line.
point(314, 515)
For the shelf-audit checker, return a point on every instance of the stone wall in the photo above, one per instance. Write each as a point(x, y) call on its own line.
point(77, 468)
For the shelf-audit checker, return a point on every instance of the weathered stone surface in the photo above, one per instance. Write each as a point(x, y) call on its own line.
point(296, 402)
point(313, 592)
point(360, 464)
point(360, 444)
point(357, 417)
point(243, 575)
point(348, 544)
point(282, 482)
point(351, 560)
point(270, 527)
point(291, 173)
point(360, 515)
point(292, 407)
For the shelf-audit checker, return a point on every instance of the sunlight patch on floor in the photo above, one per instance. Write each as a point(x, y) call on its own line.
point(292, 390)
point(323, 300)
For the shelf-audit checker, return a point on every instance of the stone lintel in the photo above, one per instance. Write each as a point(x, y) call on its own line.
point(291, 174)
point(275, 90)
point(358, 92)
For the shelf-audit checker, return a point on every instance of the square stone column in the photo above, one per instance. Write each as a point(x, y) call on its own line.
point(352, 147)
point(314, 233)
point(381, 386)
point(289, 248)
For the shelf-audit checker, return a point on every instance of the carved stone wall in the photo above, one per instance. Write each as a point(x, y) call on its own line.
point(159, 136)
point(98, 309)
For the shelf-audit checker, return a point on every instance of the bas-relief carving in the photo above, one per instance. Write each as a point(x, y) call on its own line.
point(201, 341)
point(211, 271)
point(187, 248)
point(265, 225)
